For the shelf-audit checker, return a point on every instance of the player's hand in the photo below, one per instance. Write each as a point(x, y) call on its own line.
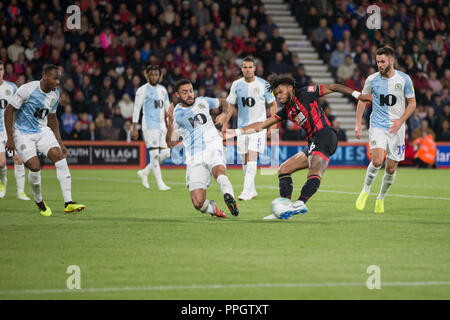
point(358, 130)
point(220, 119)
point(64, 150)
point(365, 97)
point(396, 124)
point(10, 146)
point(134, 134)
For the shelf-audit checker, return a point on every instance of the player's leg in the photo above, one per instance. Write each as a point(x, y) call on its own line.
point(388, 180)
point(219, 173)
point(249, 190)
point(3, 170)
point(378, 143)
point(164, 151)
point(198, 178)
point(48, 145)
point(394, 154)
point(320, 150)
point(291, 165)
point(19, 172)
point(242, 149)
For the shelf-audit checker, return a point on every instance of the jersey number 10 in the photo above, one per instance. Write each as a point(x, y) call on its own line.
point(41, 113)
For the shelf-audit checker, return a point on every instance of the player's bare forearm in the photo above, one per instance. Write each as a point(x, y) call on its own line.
point(360, 107)
point(335, 87)
point(259, 126)
point(9, 120)
point(409, 109)
point(223, 104)
point(54, 125)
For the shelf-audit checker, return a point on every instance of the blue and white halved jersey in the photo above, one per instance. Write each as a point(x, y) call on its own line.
point(33, 105)
point(388, 97)
point(7, 90)
point(154, 100)
point(196, 126)
point(251, 98)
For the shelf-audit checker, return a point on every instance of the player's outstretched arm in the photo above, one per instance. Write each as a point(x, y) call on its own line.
point(329, 88)
point(172, 138)
point(223, 118)
point(254, 127)
point(9, 120)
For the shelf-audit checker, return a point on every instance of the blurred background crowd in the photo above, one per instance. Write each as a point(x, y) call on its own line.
point(203, 41)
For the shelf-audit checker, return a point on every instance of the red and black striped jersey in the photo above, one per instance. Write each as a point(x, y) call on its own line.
point(305, 111)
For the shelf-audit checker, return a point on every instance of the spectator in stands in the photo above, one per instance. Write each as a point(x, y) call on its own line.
point(278, 66)
point(337, 57)
point(268, 26)
point(108, 132)
point(117, 118)
point(345, 70)
point(126, 107)
point(301, 79)
point(423, 130)
point(414, 122)
point(78, 133)
point(318, 35)
point(355, 82)
point(68, 120)
point(328, 46)
point(341, 135)
point(444, 135)
point(125, 131)
point(338, 28)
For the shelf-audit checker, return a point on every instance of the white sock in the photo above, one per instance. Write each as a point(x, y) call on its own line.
point(250, 173)
point(371, 174)
point(163, 155)
point(154, 161)
point(225, 184)
point(207, 207)
point(3, 174)
point(35, 182)
point(65, 181)
point(19, 172)
point(388, 180)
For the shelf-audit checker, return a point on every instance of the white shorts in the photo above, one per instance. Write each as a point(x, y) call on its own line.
point(155, 138)
point(28, 145)
point(393, 144)
point(252, 142)
point(3, 142)
point(198, 170)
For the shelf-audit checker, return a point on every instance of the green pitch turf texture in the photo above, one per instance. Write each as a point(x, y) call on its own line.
point(134, 243)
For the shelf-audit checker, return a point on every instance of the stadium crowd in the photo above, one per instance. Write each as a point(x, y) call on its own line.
point(103, 61)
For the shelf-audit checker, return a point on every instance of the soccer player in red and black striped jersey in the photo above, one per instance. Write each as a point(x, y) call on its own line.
point(302, 107)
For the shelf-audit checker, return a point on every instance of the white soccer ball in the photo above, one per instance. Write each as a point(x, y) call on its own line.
point(280, 205)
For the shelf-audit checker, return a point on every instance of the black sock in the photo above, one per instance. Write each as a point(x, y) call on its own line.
point(310, 187)
point(285, 184)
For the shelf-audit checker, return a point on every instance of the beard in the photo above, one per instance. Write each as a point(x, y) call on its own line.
point(186, 103)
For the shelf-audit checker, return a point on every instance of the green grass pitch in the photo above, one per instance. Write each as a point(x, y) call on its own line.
point(133, 243)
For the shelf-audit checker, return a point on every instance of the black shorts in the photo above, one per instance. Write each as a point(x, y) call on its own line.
point(323, 143)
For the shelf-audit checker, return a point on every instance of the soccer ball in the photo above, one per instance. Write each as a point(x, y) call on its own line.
point(280, 205)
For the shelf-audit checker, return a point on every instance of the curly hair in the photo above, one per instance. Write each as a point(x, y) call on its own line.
point(274, 80)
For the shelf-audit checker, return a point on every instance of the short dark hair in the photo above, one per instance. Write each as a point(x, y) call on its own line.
point(180, 83)
point(275, 80)
point(386, 50)
point(151, 68)
point(248, 59)
point(49, 68)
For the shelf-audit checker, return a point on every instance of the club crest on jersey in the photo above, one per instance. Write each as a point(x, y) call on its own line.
point(23, 147)
point(201, 106)
point(398, 87)
point(8, 92)
point(256, 90)
point(311, 89)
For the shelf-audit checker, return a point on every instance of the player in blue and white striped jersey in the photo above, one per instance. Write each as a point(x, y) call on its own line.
point(153, 99)
point(203, 146)
point(250, 94)
point(389, 88)
point(7, 89)
point(31, 127)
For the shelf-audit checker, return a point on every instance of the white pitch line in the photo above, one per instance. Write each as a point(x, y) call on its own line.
point(269, 187)
point(226, 286)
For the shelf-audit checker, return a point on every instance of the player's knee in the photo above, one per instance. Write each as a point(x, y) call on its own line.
point(283, 169)
point(198, 204)
point(17, 159)
point(2, 163)
point(390, 170)
point(35, 167)
point(377, 162)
